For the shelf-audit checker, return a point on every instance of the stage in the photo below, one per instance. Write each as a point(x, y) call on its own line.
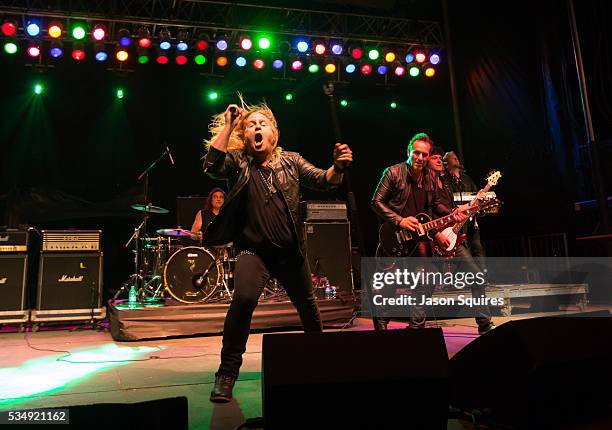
point(89, 367)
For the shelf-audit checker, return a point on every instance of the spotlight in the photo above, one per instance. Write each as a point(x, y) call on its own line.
point(414, 71)
point(125, 38)
point(78, 53)
point(241, 61)
point(120, 93)
point(434, 58)
point(264, 42)
point(366, 69)
point(373, 54)
point(181, 59)
point(330, 68)
point(201, 43)
point(336, 48)
point(288, 97)
point(390, 57)
point(313, 68)
point(162, 59)
point(143, 57)
point(122, 55)
point(182, 38)
point(393, 105)
point(38, 88)
point(350, 68)
point(34, 50)
point(382, 69)
point(356, 52)
point(99, 32)
point(199, 59)
point(144, 37)
point(9, 28)
point(430, 72)
point(56, 50)
point(296, 65)
point(400, 70)
point(221, 61)
point(320, 48)
point(302, 46)
point(344, 103)
point(213, 95)
point(409, 57)
point(222, 44)
point(259, 64)
point(100, 52)
point(278, 64)
point(419, 56)
point(10, 47)
point(164, 39)
point(32, 28)
point(54, 30)
point(246, 43)
point(78, 31)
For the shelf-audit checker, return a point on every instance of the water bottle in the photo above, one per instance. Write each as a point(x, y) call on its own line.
point(133, 296)
point(329, 292)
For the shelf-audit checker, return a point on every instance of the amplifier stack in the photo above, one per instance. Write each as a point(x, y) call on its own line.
point(13, 276)
point(69, 277)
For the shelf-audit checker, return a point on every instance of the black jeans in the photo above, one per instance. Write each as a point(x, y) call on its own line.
point(251, 274)
point(468, 263)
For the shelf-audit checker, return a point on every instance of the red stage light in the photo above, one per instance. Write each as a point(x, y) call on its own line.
point(320, 49)
point(78, 54)
point(181, 60)
point(162, 59)
point(9, 28)
point(259, 64)
point(144, 42)
point(356, 53)
point(419, 56)
point(201, 45)
point(366, 69)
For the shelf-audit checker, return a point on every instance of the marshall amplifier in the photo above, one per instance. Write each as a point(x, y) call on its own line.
point(71, 240)
point(13, 308)
point(13, 241)
point(324, 211)
point(69, 287)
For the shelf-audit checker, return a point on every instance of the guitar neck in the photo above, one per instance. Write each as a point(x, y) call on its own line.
point(441, 222)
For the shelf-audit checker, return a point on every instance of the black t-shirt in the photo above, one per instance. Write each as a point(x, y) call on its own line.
point(268, 224)
point(416, 200)
point(446, 193)
point(207, 218)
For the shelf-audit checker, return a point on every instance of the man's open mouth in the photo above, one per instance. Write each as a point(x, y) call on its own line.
point(258, 140)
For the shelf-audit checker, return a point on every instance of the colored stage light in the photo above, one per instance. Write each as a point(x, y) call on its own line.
point(9, 28)
point(221, 44)
point(182, 46)
point(120, 93)
point(393, 105)
point(330, 68)
point(356, 53)
point(302, 46)
point(278, 64)
point(366, 69)
point(419, 56)
point(100, 52)
point(264, 42)
point(320, 49)
point(78, 54)
point(54, 30)
point(213, 95)
point(32, 28)
point(164, 39)
point(99, 32)
point(165, 45)
point(373, 54)
point(199, 59)
point(34, 50)
point(390, 57)
point(414, 71)
point(399, 71)
point(430, 72)
point(78, 32)
point(246, 43)
point(125, 37)
point(38, 88)
point(336, 49)
point(144, 37)
point(122, 55)
point(143, 59)
point(409, 57)
point(201, 45)
point(56, 50)
point(181, 60)
point(241, 61)
point(162, 59)
point(296, 65)
point(221, 61)
point(343, 103)
point(434, 58)
point(313, 68)
point(350, 68)
point(381, 70)
point(288, 97)
point(182, 38)
point(10, 47)
point(259, 64)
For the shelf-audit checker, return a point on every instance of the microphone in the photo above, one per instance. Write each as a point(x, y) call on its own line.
point(169, 154)
point(234, 112)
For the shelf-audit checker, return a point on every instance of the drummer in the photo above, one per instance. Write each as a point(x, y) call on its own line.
point(205, 216)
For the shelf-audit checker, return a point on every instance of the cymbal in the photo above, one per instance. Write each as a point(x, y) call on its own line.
point(175, 232)
point(150, 209)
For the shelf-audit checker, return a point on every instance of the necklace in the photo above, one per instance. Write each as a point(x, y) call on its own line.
point(268, 182)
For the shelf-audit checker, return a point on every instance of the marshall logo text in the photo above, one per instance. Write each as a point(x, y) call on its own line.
point(66, 278)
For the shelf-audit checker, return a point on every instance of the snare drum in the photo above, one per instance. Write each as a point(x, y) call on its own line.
point(193, 274)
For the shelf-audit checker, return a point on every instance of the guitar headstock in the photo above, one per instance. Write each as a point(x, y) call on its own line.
point(493, 177)
point(489, 204)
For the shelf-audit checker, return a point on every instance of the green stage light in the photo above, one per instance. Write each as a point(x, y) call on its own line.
point(213, 95)
point(313, 68)
point(343, 103)
point(393, 105)
point(120, 93)
point(199, 59)
point(78, 32)
point(414, 71)
point(10, 48)
point(289, 97)
point(264, 42)
point(38, 89)
point(143, 59)
point(373, 54)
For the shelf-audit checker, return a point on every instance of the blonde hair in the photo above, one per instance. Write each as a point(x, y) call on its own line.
point(236, 139)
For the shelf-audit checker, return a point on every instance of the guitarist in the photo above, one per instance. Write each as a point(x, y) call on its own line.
point(405, 190)
point(445, 191)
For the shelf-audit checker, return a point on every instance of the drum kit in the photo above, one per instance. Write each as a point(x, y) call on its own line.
point(172, 261)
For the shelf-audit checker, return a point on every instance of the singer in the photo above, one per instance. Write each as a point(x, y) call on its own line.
point(260, 215)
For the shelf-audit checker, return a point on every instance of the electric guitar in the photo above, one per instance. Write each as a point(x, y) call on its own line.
point(452, 232)
point(398, 242)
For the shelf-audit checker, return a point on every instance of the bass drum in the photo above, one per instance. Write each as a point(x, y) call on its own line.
point(192, 275)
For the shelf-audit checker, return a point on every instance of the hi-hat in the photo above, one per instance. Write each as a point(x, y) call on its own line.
point(150, 209)
point(175, 232)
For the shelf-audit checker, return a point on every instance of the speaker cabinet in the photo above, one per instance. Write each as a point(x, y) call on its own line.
point(186, 210)
point(328, 248)
point(537, 373)
point(13, 268)
point(344, 380)
point(69, 287)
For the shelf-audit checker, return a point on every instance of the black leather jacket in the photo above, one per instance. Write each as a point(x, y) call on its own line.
point(290, 169)
point(394, 189)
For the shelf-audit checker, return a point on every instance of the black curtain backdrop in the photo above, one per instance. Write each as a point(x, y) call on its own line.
point(69, 158)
